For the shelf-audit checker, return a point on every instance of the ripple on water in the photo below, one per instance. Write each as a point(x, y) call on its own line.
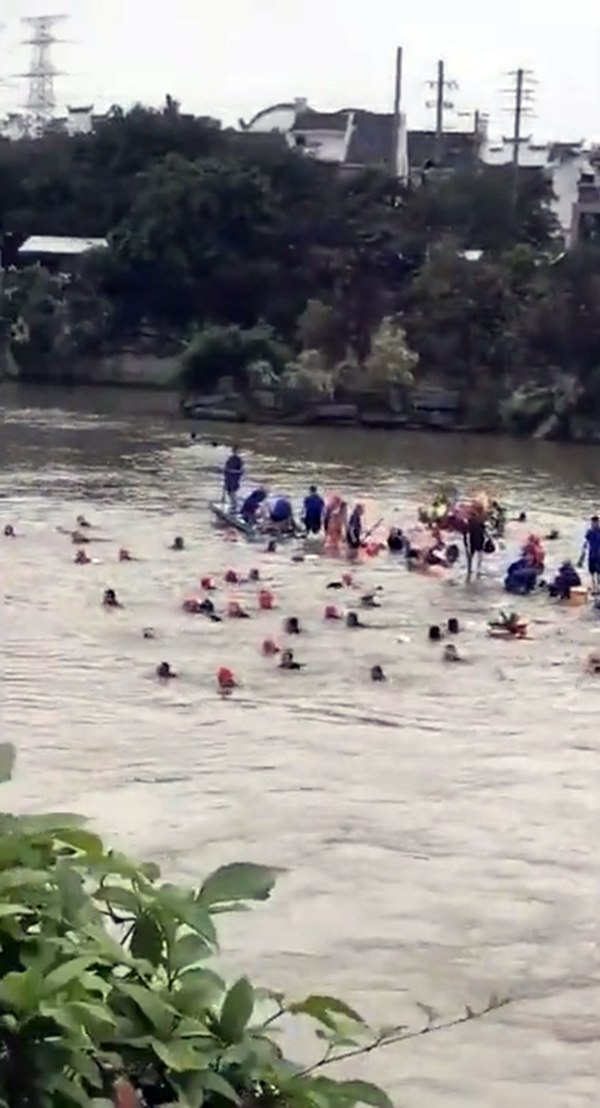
point(440, 831)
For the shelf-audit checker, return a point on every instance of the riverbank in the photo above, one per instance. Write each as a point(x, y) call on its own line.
point(529, 413)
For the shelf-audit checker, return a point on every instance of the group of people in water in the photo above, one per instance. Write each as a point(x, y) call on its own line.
point(433, 546)
point(333, 520)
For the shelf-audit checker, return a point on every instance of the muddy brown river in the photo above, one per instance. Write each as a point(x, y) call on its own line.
point(440, 832)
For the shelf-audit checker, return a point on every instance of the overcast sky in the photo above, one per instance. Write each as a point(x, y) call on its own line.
point(229, 58)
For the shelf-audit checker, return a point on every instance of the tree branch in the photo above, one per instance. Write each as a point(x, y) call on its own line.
point(401, 1036)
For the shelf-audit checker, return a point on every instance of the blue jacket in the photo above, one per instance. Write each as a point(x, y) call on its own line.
point(281, 510)
point(314, 506)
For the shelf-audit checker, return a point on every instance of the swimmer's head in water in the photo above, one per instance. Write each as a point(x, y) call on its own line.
point(435, 633)
point(110, 598)
point(453, 626)
point(124, 555)
point(226, 679)
point(377, 674)
point(272, 547)
point(164, 671)
point(523, 517)
point(178, 543)
point(254, 575)
point(149, 633)
point(452, 554)
point(231, 577)
point(352, 620)
point(9, 531)
point(292, 625)
point(81, 558)
point(451, 653)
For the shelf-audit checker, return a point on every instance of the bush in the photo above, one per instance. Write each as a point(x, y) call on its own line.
point(307, 379)
point(216, 352)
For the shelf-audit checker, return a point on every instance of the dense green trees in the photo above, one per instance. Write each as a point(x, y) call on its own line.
point(212, 229)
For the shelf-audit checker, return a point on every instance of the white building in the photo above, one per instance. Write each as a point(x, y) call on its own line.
point(351, 138)
point(564, 162)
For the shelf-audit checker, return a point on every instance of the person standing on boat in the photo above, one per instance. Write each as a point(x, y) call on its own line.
point(232, 476)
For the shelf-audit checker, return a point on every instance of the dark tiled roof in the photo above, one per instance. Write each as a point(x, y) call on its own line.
point(372, 139)
point(564, 151)
point(459, 148)
point(320, 121)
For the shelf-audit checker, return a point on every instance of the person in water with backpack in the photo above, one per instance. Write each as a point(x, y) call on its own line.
point(314, 511)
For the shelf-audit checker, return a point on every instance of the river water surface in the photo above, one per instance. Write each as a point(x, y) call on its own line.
point(440, 832)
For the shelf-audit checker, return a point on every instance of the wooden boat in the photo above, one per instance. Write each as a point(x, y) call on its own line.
point(226, 518)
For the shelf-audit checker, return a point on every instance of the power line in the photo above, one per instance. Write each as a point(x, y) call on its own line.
point(441, 105)
point(522, 95)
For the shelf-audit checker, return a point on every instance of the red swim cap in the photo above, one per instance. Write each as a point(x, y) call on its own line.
point(226, 678)
point(207, 584)
point(331, 612)
point(269, 648)
point(266, 600)
point(348, 579)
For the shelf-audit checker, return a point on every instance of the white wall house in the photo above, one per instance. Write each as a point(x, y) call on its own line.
point(351, 137)
point(564, 162)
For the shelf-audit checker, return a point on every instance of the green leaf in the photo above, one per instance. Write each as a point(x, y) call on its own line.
point(197, 990)
point(179, 1055)
point(97, 1019)
point(118, 897)
point(187, 911)
point(236, 1011)
point(147, 940)
point(189, 950)
point(214, 1083)
point(21, 991)
point(22, 878)
point(240, 881)
point(7, 761)
point(62, 976)
point(189, 1089)
point(69, 1089)
point(363, 1092)
point(13, 910)
point(50, 823)
point(81, 840)
point(325, 1009)
point(160, 1015)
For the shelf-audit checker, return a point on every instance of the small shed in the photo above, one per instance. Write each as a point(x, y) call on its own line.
point(59, 253)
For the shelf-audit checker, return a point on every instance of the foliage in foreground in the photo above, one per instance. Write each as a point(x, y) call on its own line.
point(105, 972)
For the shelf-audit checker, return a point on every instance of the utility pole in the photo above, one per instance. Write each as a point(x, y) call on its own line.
point(522, 95)
point(441, 105)
point(397, 119)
